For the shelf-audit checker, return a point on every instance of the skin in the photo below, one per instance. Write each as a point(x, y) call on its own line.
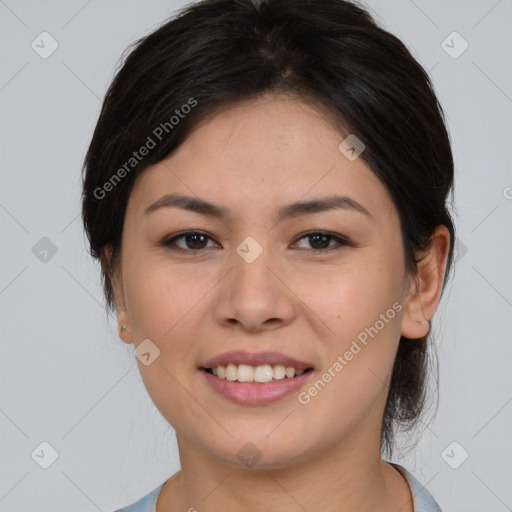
point(252, 158)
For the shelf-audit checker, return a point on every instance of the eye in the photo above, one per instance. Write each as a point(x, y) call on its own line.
point(320, 241)
point(191, 241)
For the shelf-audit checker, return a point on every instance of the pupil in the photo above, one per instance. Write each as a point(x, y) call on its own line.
point(325, 238)
point(194, 238)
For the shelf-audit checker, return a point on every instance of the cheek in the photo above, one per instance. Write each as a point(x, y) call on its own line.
point(161, 300)
point(161, 307)
point(362, 310)
point(350, 298)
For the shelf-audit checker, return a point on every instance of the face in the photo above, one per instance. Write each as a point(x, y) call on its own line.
point(321, 289)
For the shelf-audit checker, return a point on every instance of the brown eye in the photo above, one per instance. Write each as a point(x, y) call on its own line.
point(191, 241)
point(320, 241)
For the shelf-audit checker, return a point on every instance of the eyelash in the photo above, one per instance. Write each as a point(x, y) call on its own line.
point(342, 242)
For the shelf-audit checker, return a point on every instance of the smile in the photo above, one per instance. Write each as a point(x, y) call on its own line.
point(259, 374)
point(261, 378)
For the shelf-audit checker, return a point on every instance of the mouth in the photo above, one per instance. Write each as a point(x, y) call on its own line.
point(256, 378)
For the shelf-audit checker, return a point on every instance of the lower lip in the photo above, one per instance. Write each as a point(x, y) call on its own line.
point(257, 394)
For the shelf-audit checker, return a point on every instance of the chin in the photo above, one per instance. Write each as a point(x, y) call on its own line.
point(255, 453)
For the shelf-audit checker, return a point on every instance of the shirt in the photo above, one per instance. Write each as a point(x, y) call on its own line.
point(422, 500)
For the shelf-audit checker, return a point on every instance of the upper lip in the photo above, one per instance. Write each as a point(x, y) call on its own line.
point(255, 359)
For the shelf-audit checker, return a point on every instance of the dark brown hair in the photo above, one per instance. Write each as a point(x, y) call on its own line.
point(216, 52)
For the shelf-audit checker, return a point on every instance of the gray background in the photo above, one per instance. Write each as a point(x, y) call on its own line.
point(68, 380)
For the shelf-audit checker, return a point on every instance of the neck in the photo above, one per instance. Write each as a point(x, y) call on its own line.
point(349, 477)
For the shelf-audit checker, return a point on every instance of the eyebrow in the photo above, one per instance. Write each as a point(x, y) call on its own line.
point(292, 210)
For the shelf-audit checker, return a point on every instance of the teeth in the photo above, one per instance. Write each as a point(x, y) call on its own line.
point(261, 374)
point(290, 372)
point(231, 372)
point(279, 372)
point(245, 373)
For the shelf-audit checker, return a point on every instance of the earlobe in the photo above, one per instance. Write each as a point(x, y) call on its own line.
point(425, 292)
point(125, 334)
point(123, 322)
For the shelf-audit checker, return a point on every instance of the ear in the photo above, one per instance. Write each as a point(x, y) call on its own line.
point(425, 292)
point(114, 276)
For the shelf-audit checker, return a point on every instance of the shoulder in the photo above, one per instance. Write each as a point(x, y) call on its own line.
point(422, 499)
point(145, 504)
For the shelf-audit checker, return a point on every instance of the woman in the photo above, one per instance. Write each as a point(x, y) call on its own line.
point(266, 189)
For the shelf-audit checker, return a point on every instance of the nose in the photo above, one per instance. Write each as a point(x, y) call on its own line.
point(254, 295)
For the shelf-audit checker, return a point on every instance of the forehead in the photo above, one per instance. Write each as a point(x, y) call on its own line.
point(268, 151)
